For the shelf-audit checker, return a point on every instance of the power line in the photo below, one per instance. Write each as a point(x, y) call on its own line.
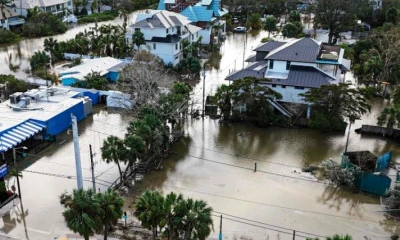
point(247, 168)
point(249, 220)
point(277, 206)
point(245, 157)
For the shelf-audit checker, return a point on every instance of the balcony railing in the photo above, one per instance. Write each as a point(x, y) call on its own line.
point(18, 21)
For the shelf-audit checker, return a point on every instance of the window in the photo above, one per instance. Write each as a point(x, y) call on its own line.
point(271, 64)
point(197, 34)
point(181, 8)
point(176, 46)
point(192, 37)
point(299, 88)
point(154, 46)
point(167, 30)
point(273, 85)
point(137, 29)
point(287, 65)
point(69, 3)
point(283, 86)
point(169, 6)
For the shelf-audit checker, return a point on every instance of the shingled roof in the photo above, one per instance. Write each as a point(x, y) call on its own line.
point(299, 76)
point(269, 46)
point(299, 50)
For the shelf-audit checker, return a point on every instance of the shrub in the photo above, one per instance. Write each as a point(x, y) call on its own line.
point(39, 60)
point(264, 40)
point(8, 36)
point(99, 17)
point(323, 122)
point(42, 25)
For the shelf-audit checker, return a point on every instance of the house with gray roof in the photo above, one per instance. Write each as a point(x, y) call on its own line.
point(202, 13)
point(295, 66)
point(164, 32)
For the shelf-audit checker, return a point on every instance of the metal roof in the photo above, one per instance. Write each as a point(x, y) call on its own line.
point(299, 50)
point(198, 13)
point(18, 134)
point(269, 46)
point(251, 58)
point(252, 70)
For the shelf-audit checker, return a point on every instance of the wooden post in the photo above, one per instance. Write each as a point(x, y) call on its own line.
point(294, 234)
point(255, 167)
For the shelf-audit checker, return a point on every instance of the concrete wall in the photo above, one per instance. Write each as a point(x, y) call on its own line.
point(206, 36)
point(62, 121)
point(68, 81)
point(166, 51)
point(112, 76)
point(289, 94)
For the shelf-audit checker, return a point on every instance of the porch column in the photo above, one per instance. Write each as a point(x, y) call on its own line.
point(308, 111)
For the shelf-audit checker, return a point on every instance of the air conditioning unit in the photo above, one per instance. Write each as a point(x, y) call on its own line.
point(15, 98)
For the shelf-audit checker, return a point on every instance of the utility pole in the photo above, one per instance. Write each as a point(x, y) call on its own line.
point(92, 167)
point(16, 171)
point(204, 88)
point(245, 38)
point(77, 152)
point(294, 234)
point(220, 229)
point(348, 136)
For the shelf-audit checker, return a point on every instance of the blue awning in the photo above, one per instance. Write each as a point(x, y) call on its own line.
point(18, 134)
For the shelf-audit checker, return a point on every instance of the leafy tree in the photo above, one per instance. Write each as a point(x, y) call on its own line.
point(113, 150)
point(276, 7)
point(373, 66)
point(292, 30)
point(82, 213)
point(50, 45)
point(150, 210)
point(270, 25)
point(392, 15)
point(7, 36)
point(336, 15)
point(13, 84)
point(138, 39)
point(254, 21)
point(39, 60)
point(390, 116)
point(333, 103)
point(111, 205)
point(393, 199)
point(294, 16)
point(224, 100)
point(93, 80)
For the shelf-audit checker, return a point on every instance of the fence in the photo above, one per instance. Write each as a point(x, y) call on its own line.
point(393, 133)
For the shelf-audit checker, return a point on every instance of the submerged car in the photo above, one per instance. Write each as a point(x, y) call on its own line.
point(239, 29)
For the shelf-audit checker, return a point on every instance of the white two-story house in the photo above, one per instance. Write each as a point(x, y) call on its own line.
point(202, 13)
point(295, 67)
point(163, 32)
point(50, 6)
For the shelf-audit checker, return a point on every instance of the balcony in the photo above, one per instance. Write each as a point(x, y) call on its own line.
point(15, 22)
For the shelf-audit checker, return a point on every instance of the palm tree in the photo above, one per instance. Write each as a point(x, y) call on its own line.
point(111, 205)
point(113, 151)
point(335, 237)
point(150, 210)
point(77, 3)
point(390, 117)
point(171, 220)
point(138, 38)
point(197, 220)
point(374, 66)
point(270, 25)
point(83, 214)
point(290, 30)
point(50, 45)
point(135, 149)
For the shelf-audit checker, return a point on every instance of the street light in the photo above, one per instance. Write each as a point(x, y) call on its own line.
point(16, 168)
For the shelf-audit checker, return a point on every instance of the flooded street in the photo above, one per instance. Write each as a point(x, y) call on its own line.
point(214, 162)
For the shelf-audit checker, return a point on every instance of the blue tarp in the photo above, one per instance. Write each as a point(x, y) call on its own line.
point(18, 134)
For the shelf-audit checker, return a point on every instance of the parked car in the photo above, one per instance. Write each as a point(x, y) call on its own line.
point(239, 29)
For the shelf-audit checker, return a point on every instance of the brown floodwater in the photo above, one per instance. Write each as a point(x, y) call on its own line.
point(213, 162)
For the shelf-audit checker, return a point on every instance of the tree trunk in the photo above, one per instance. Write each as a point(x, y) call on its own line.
point(86, 237)
point(120, 171)
point(105, 231)
point(330, 37)
point(154, 233)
